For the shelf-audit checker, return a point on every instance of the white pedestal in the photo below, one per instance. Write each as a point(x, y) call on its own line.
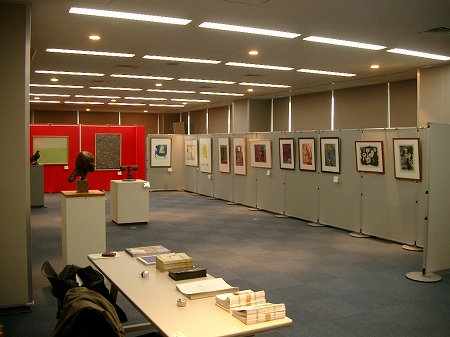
point(37, 185)
point(83, 226)
point(129, 201)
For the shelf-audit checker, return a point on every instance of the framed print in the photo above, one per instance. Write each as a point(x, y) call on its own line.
point(261, 153)
point(287, 153)
point(407, 158)
point(190, 151)
point(160, 152)
point(330, 156)
point(224, 155)
point(53, 150)
point(369, 156)
point(307, 154)
point(240, 155)
point(205, 155)
point(108, 149)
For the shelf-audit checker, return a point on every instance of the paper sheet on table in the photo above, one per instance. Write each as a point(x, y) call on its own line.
point(205, 288)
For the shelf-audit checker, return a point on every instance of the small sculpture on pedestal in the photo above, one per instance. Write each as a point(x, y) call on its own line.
point(34, 158)
point(84, 163)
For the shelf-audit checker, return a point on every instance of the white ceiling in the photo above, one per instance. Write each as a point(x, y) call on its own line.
point(391, 23)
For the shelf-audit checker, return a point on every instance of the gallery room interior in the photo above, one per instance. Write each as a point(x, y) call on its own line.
point(295, 148)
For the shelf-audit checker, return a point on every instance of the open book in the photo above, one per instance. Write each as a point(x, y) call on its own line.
point(205, 288)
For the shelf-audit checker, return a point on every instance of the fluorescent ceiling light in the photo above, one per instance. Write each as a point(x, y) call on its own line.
point(343, 43)
point(259, 66)
point(97, 96)
point(161, 78)
point(57, 86)
point(40, 101)
point(76, 102)
point(179, 59)
point(172, 91)
point(128, 16)
point(147, 98)
point(419, 54)
point(50, 95)
point(190, 100)
point(220, 93)
point(249, 30)
point(87, 52)
point(324, 72)
point(130, 104)
point(265, 85)
point(116, 88)
point(67, 73)
point(205, 81)
point(168, 105)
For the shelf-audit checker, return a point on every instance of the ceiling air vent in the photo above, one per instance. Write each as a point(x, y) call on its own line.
point(253, 75)
point(437, 30)
point(98, 82)
point(126, 66)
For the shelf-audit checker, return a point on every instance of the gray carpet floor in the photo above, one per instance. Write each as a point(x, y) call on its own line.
point(332, 283)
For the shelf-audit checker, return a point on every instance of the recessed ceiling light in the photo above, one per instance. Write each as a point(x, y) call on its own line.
point(97, 96)
point(158, 84)
point(249, 30)
point(253, 52)
point(220, 93)
point(78, 73)
point(173, 91)
point(190, 100)
point(37, 97)
point(259, 66)
point(160, 78)
point(115, 88)
point(168, 105)
point(419, 54)
point(344, 43)
point(250, 90)
point(79, 102)
point(374, 66)
point(87, 109)
point(50, 95)
point(87, 52)
point(266, 85)
point(57, 86)
point(129, 104)
point(179, 59)
point(41, 101)
point(94, 37)
point(205, 81)
point(128, 16)
point(54, 79)
point(324, 72)
point(147, 98)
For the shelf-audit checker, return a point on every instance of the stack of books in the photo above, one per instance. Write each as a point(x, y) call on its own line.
point(171, 261)
point(260, 313)
point(147, 251)
point(229, 301)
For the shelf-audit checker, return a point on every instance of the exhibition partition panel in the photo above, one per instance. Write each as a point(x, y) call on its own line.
point(339, 193)
point(223, 181)
point(206, 157)
point(244, 186)
point(302, 186)
point(191, 169)
point(270, 181)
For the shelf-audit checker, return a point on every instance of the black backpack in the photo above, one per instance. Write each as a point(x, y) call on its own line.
point(66, 279)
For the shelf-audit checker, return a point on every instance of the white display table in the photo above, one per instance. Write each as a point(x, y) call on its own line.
point(83, 225)
point(129, 201)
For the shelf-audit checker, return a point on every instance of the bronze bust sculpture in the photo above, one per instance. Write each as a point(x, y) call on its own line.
point(84, 163)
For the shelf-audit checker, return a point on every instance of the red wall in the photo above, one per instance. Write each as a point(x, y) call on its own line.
point(82, 138)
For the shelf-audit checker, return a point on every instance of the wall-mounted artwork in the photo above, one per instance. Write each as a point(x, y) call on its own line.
point(287, 160)
point(190, 152)
point(53, 150)
point(108, 149)
point(407, 158)
point(160, 152)
point(240, 155)
point(205, 155)
point(329, 149)
point(261, 153)
point(369, 156)
point(307, 154)
point(224, 154)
